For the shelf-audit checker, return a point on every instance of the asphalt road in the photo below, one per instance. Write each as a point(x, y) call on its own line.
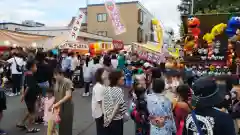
point(83, 121)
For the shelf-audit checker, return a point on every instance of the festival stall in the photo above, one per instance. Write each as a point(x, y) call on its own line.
point(215, 55)
point(100, 47)
point(18, 39)
point(79, 47)
point(160, 50)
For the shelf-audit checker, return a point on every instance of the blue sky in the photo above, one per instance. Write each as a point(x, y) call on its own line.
point(59, 12)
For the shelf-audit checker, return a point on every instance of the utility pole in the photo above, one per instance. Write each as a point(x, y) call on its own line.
point(192, 7)
point(87, 3)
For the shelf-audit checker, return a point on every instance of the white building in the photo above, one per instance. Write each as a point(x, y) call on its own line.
point(52, 31)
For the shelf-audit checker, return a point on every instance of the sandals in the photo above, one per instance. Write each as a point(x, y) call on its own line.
point(33, 130)
point(21, 126)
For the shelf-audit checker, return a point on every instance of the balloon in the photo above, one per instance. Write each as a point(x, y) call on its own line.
point(189, 43)
point(208, 38)
point(218, 29)
point(193, 26)
point(233, 25)
point(155, 21)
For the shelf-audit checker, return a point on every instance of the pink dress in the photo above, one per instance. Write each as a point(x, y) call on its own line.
point(48, 102)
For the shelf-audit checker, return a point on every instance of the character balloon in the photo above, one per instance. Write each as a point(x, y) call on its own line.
point(233, 26)
point(193, 29)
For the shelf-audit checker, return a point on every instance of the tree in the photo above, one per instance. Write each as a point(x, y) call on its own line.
point(210, 6)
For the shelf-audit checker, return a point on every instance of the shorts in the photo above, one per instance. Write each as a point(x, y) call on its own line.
point(31, 105)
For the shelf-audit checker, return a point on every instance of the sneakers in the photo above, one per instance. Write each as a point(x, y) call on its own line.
point(86, 94)
point(2, 132)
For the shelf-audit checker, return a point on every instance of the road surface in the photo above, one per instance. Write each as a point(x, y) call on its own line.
point(83, 121)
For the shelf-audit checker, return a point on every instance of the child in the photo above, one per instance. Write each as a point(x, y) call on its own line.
point(54, 121)
point(48, 103)
point(128, 75)
point(138, 110)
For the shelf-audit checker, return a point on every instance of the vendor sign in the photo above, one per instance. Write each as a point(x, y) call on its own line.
point(76, 26)
point(118, 44)
point(148, 55)
point(74, 45)
point(114, 15)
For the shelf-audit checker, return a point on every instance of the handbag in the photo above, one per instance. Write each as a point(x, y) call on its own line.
point(18, 67)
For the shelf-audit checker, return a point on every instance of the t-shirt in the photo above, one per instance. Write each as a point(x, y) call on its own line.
point(211, 121)
point(32, 87)
point(114, 63)
point(97, 95)
point(112, 97)
point(19, 61)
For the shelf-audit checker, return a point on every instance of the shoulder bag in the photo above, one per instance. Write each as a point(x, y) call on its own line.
point(18, 67)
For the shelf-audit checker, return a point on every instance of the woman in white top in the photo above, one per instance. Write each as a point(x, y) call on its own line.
point(97, 97)
point(114, 61)
point(95, 67)
point(87, 76)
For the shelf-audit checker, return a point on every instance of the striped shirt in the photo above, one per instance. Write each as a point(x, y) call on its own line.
point(113, 96)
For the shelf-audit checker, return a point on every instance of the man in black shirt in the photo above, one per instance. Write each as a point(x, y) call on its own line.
point(209, 120)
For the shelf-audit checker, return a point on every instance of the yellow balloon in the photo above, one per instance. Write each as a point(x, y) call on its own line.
point(209, 38)
point(218, 29)
point(155, 21)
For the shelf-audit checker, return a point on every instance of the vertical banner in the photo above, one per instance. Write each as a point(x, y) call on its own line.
point(115, 17)
point(76, 26)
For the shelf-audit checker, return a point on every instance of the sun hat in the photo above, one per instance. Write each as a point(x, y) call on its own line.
point(207, 92)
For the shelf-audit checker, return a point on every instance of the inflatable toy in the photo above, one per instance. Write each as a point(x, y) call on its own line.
point(216, 30)
point(189, 44)
point(233, 26)
point(158, 30)
point(193, 26)
point(194, 30)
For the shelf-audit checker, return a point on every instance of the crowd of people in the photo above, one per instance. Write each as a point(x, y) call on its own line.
point(162, 100)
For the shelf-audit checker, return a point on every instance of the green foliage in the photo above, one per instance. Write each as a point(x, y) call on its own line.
point(210, 6)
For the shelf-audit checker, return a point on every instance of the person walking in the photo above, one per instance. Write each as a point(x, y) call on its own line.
point(63, 99)
point(87, 76)
point(17, 64)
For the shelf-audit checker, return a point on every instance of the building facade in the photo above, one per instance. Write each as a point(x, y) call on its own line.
point(52, 31)
point(136, 18)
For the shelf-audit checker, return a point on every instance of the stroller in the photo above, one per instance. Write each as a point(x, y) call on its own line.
point(77, 78)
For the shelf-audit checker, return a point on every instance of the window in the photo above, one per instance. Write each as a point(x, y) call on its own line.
point(140, 16)
point(140, 35)
point(146, 38)
point(152, 37)
point(102, 33)
point(102, 17)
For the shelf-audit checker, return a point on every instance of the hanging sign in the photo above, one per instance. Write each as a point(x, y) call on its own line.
point(118, 44)
point(114, 15)
point(76, 26)
point(74, 45)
